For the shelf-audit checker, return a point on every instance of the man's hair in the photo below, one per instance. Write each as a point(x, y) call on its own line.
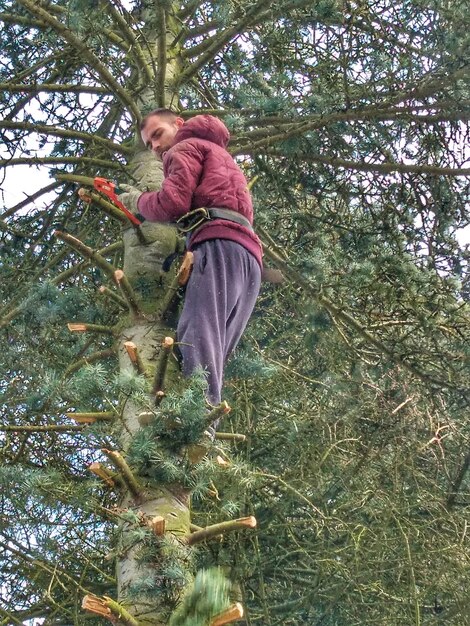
point(168, 113)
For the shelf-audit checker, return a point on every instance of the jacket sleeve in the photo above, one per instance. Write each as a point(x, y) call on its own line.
point(183, 170)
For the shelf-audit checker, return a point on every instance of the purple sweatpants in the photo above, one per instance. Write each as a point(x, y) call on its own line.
point(219, 300)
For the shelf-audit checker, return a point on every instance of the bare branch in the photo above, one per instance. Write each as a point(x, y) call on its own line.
point(223, 527)
point(52, 88)
point(41, 429)
point(63, 132)
point(29, 199)
point(80, 160)
point(161, 55)
point(215, 44)
point(128, 34)
point(88, 253)
point(384, 168)
point(21, 20)
point(85, 53)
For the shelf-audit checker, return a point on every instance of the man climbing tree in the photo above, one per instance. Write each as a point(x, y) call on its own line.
point(206, 192)
point(349, 433)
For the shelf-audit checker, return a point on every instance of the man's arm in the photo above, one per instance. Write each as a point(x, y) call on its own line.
point(183, 166)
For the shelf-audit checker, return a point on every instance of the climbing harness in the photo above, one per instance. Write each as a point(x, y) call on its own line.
point(188, 224)
point(196, 218)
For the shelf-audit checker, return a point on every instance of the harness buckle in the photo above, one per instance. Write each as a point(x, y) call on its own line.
point(192, 220)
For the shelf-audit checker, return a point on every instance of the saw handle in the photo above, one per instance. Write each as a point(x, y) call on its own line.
point(108, 189)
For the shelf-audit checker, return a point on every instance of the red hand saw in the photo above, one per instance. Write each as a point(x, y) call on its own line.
point(109, 189)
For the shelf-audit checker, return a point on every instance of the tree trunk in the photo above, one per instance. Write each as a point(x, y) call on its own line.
point(143, 268)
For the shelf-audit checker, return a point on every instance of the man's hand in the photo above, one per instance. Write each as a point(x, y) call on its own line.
point(130, 197)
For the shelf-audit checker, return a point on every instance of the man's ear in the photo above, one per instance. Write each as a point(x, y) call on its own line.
point(179, 121)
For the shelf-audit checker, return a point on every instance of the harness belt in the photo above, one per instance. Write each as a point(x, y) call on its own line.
point(194, 219)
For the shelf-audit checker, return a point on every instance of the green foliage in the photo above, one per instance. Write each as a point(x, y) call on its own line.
point(247, 365)
point(167, 563)
point(159, 451)
point(208, 596)
point(352, 384)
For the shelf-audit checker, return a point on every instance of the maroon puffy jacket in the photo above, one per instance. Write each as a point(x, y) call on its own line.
point(199, 172)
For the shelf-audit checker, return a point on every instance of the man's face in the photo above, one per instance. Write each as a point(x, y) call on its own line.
point(159, 133)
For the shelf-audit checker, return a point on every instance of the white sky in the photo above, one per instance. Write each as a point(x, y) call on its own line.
point(23, 180)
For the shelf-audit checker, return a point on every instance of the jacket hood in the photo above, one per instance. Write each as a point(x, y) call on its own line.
point(205, 127)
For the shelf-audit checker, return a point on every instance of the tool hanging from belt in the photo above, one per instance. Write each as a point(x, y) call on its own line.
point(192, 220)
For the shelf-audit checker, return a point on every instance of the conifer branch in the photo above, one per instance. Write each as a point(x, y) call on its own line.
point(253, 15)
point(89, 196)
point(126, 473)
point(22, 20)
point(209, 48)
point(75, 178)
point(109, 609)
point(79, 160)
point(77, 327)
point(214, 45)
point(128, 293)
point(271, 129)
point(128, 34)
point(135, 358)
point(230, 436)
point(107, 206)
point(194, 527)
point(222, 462)
point(214, 530)
point(108, 293)
point(384, 168)
point(22, 102)
point(455, 487)
point(90, 358)
point(160, 77)
point(87, 252)
point(187, 10)
point(162, 365)
point(32, 70)
point(62, 277)
point(219, 411)
point(158, 525)
point(57, 9)
point(66, 134)
point(120, 613)
point(61, 428)
point(92, 417)
point(52, 88)
point(112, 480)
point(6, 228)
point(29, 199)
point(32, 562)
point(172, 293)
point(317, 295)
point(202, 29)
point(84, 51)
point(102, 472)
point(288, 487)
point(232, 614)
point(12, 618)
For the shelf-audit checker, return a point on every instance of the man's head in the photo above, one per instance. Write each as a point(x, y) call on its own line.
point(158, 130)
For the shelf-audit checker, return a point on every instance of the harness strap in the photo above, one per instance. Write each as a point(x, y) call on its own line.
point(232, 216)
point(192, 220)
